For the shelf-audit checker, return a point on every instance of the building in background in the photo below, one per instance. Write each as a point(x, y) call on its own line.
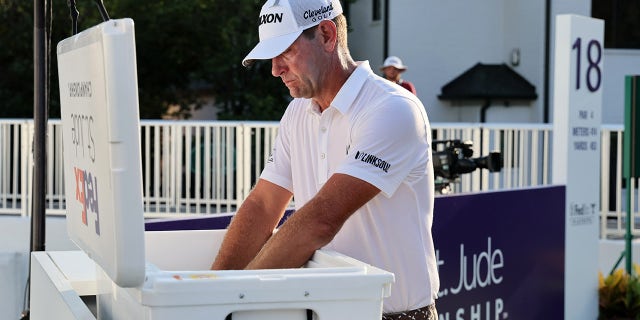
point(441, 40)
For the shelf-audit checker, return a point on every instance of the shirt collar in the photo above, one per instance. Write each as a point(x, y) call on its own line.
point(350, 89)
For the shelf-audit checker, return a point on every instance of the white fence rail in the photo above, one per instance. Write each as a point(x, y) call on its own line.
point(205, 167)
point(201, 167)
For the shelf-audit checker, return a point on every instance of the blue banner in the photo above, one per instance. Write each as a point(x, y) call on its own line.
point(501, 254)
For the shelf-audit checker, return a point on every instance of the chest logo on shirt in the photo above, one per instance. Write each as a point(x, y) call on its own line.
point(373, 160)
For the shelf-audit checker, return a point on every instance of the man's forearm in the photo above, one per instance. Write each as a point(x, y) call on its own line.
point(241, 244)
point(252, 226)
point(315, 224)
point(248, 232)
point(291, 246)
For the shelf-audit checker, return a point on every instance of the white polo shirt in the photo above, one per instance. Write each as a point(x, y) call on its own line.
point(379, 132)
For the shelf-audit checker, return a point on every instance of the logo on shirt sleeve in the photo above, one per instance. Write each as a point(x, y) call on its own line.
point(373, 160)
point(270, 159)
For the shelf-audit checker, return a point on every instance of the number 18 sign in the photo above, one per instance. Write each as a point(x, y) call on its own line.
point(577, 105)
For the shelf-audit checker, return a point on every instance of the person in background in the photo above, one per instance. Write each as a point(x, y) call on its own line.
point(354, 150)
point(392, 68)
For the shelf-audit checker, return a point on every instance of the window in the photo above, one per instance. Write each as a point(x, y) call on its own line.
point(621, 22)
point(376, 14)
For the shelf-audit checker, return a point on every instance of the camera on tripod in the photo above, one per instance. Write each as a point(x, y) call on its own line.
point(454, 159)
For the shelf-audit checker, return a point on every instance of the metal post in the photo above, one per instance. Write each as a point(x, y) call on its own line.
point(631, 155)
point(628, 237)
point(39, 136)
point(40, 127)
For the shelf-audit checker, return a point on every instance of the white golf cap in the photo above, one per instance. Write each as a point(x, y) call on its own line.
point(282, 22)
point(395, 62)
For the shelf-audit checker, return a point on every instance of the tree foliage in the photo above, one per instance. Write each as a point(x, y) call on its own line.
point(186, 51)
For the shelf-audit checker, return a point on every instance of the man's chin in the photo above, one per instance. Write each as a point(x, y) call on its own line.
point(295, 93)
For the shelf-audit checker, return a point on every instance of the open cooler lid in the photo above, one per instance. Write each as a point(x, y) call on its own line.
point(101, 141)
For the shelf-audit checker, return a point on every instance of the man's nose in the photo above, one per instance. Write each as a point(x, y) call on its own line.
point(277, 66)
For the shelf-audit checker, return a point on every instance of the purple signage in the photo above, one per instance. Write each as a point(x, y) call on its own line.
point(501, 254)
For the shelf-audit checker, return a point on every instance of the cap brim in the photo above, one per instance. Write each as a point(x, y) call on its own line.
point(270, 48)
point(403, 68)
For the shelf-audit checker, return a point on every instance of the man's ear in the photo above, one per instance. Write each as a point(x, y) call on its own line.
point(328, 33)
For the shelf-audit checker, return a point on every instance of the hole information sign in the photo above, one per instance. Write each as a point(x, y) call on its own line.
point(577, 105)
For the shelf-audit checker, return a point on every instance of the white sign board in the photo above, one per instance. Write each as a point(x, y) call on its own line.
point(101, 144)
point(577, 104)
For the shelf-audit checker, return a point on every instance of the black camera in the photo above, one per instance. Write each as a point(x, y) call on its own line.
point(451, 158)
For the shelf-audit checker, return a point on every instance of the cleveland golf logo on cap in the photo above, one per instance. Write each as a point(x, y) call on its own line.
point(319, 14)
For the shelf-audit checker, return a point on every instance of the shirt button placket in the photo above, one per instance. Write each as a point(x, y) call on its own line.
point(323, 168)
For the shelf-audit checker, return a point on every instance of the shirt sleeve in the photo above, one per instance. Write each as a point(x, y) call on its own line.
point(390, 144)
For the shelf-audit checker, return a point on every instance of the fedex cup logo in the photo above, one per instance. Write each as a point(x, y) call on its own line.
point(87, 194)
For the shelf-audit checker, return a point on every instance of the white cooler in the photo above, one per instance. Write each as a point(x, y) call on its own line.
point(332, 285)
point(168, 278)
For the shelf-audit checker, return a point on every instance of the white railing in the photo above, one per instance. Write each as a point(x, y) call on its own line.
point(201, 167)
point(15, 161)
point(204, 167)
point(613, 187)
